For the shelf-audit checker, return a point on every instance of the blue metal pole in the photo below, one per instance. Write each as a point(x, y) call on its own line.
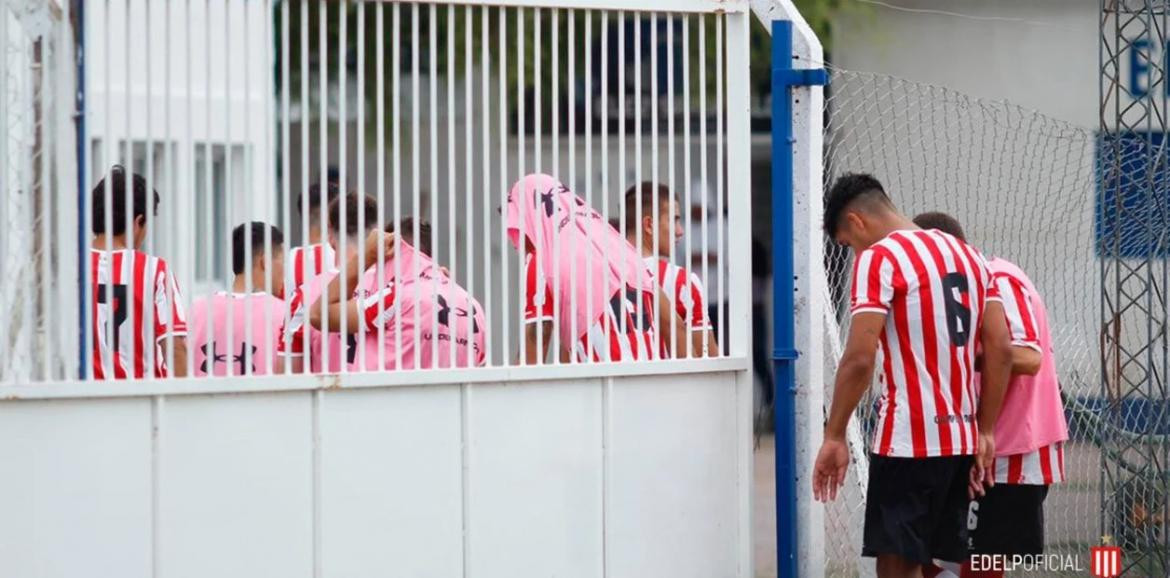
point(82, 234)
point(784, 353)
point(783, 306)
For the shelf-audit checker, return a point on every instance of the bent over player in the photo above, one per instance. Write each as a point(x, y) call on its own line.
point(925, 300)
point(583, 280)
point(1031, 430)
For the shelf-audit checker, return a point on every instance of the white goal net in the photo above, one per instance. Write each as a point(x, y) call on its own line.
point(1022, 185)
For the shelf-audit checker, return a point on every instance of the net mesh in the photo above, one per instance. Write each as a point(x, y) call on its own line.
point(1023, 186)
point(26, 221)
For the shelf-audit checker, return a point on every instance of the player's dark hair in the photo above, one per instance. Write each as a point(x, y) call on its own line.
point(241, 248)
point(849, 188)
point(117, 182)
point(406, 226)
point(943, 222)
point(312, 199)
point(650, 196)
point(357, 206)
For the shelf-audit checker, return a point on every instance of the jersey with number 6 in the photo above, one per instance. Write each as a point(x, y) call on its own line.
point(933, 290)
point(136, 304)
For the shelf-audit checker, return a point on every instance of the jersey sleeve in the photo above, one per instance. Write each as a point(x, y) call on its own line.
point(380, 315)
point(294, 334)
point(169, 316)
point(1017, 307)
point(538, 297)
point(691, 303)
point(873, 282)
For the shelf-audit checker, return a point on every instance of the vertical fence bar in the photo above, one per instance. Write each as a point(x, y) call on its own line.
point(396, 65)
point(416, 153)
point(323, 155)
point(688, 175)
point(105, 316)
point(190, 152)
point(47, 112)
point(538, 161)
point(469, 160)
point(249, 287)
point(380, 143)
point(485, 93)
point(170, 159)
point(84, 186)
point(126, 155)
point(362, 186)
point(286, 157)
point(343, 182)
point(520, 101)
point(604, 100)
point(505, 314)
point(149, 347)
point(639, 154)
point(228, 196)
point(655, 179)
point(722, 266)
point(555, 122)
point(587, 17)
point(621, 120)
point(704, 158)
point(432, 199)
point(306, 121)
point(453, 260)
point(672, 168)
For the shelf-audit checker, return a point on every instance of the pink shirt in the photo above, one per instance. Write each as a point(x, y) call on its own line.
point(299, 336)
point(255, 320)
point(429, 308)
point(1033, 415)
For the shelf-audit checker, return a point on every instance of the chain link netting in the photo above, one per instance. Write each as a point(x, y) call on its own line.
point(28, 229)
point(1023, 185)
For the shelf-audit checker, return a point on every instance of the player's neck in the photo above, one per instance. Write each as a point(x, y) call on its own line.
point(240, 283)
point(109, 242)
point(315, 235)
point(646, 249)
point(895, 222)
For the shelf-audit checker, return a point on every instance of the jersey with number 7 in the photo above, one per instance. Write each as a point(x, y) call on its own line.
point(933, 289)
point(136, 304)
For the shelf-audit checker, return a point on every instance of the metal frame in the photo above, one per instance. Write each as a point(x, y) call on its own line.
point(1134, 343)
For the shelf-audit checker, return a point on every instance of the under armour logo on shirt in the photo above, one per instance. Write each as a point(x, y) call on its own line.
point(444, 314)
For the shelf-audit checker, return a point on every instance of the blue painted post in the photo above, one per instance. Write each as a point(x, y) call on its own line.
point(82, 194)
point(784, 353)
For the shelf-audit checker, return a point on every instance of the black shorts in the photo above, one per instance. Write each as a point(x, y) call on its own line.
point(1009, 519)
point(916, 508)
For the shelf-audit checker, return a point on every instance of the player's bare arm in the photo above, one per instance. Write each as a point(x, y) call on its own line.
point(536, 348)
point(180, 357)
point(854, 373)
point(1025, 360)
point(669, 318)
point(997, 370)
point(339, 306)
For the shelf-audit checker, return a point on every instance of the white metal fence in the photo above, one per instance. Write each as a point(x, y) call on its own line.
point(230, 110)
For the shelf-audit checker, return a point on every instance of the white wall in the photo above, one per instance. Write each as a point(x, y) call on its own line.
point(634, 476)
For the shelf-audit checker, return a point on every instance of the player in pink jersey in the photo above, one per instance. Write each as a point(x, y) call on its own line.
point(348, 216)
point(416, 317)
point(1031, 430)
point(318, 255)
point(137, 314)
point(925, 300)
point(584, 281)
point(254, 314)
point(654, 227)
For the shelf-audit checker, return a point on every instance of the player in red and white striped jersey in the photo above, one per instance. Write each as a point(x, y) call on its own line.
point(318, 256)
point(1031, 430)
point(135, 299)
point(655, 238)
point(925, 300)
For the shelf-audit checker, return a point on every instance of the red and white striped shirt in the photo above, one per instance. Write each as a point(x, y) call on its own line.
point(123, 282)
point(604, 339)
point(307, 262)
point(685, 291)
point(933, 289)
point(1042, 467)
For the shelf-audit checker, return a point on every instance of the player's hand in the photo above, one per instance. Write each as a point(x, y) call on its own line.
point(378, 239)
point(983, 470)
point(829, 470)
